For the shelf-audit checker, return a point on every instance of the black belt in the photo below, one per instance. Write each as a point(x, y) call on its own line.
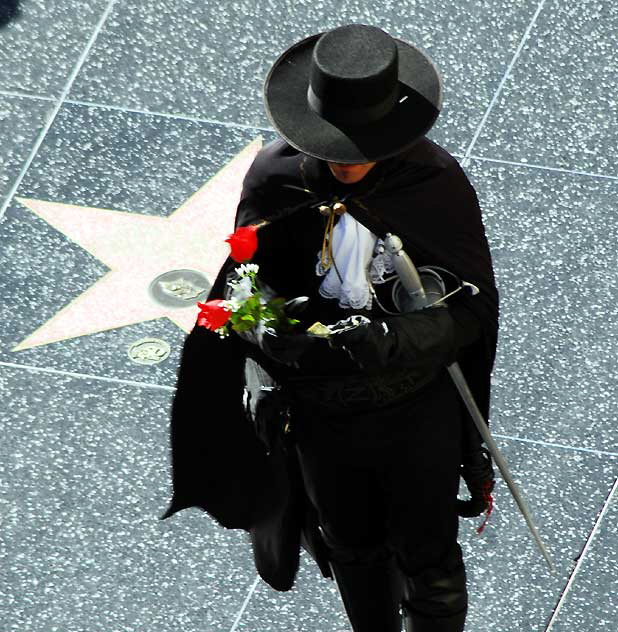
point(348, 393)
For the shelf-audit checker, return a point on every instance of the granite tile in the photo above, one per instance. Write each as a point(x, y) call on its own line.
point(313, 604)
point(510, 586)
point(210, 60)
point(92, 158)
point(81, 489)
point(552, 238)
point(41, 46)
point(21, 121)
point(130, 161)
point(510, 583)
point(558, 107)
point(590, 604)
point(84, 476)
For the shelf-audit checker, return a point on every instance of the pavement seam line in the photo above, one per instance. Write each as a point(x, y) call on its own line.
point(197, 119)
point(582, 555)
point(524, 38)
point(25, 95)
point(184, 117)
point(244, 605)
point(59, 102)
point(27, 367)
point(102, 378)
point(533, 166)
point(556, 445)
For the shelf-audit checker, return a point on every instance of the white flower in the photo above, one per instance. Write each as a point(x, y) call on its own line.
point(247, 269)
point(233, 304)
point(242, 289)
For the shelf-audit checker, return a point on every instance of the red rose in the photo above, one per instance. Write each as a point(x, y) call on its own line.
point(213, 315)
point(243, 243)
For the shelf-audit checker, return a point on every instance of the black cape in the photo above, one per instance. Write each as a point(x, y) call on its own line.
point(218, 462)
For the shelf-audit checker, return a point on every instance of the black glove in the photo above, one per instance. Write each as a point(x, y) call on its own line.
point(423, 340)
point(283, 348)
point(479, 477)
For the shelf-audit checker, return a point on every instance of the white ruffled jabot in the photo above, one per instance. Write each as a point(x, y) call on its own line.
point(354, 251)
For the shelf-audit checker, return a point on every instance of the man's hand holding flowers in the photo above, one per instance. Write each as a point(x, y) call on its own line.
point(253, 309)
point(275, 337)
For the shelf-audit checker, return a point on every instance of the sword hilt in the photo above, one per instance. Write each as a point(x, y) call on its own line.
point(406, 270)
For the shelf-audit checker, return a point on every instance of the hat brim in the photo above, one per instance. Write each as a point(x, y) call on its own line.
point(285, 99)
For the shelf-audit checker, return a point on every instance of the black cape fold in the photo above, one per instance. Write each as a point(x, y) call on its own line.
point(218, 462)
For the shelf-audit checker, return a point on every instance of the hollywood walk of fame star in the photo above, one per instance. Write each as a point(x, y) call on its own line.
point(139, 248)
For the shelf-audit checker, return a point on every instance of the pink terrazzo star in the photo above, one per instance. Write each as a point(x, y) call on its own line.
point(138, 248)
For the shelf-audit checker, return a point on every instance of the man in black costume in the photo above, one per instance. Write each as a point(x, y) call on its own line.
point(380, 435)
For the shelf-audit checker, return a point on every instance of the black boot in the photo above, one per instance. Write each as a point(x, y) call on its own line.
point(436, 599)
point(370, 583)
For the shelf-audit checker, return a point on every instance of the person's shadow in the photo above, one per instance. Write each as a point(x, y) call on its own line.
point(9, 10)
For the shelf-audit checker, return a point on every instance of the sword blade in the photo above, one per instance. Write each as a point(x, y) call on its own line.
point(412, 283)
point(462, 386)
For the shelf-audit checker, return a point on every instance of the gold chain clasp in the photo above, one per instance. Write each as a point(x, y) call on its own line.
point(287, 428)
point(335, 208)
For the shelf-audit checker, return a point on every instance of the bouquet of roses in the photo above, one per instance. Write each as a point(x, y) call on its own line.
point(248, 306)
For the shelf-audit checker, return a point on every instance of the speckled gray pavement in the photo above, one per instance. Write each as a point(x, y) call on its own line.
point(118, 120)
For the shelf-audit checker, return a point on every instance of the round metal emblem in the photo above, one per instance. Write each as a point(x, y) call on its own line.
point(148, 351)
point(179, 288)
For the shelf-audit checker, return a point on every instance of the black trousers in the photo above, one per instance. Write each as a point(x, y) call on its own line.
point(384, 483)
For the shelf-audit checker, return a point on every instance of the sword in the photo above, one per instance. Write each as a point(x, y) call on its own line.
point(411, 282)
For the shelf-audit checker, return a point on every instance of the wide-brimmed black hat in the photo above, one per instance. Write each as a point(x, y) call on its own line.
point(353, 94)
